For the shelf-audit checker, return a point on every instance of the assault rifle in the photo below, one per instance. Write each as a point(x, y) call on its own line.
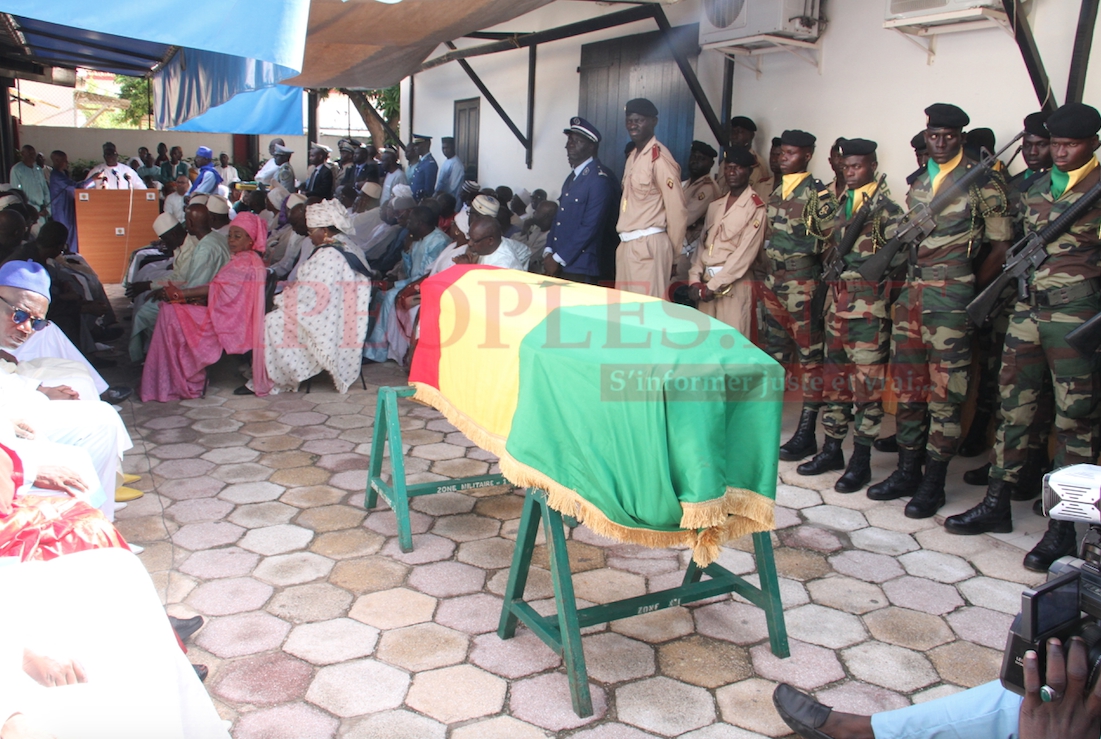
point(1026, 256)
point(835, 264)
point(1086, 339)
point(920, 220)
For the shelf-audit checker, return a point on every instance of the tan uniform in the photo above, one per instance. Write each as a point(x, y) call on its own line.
point(652, 201)
point(731, 240)
point(697, 195)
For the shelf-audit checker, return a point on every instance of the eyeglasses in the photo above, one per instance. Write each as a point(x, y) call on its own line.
point(20, 316)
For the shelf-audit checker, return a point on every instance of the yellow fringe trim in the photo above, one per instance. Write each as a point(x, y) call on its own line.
point(705, 527)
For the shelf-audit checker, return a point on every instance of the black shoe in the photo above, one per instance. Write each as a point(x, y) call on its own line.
point(202, 671)
point(829, 459)
point(978, 476)
point(243, 390)
point(185, 627)
point(1058, 541)
point(992, 515)
point(929, 497)
point(904, 480)
point(975, 443)
point(887, 444)
point(1038, 507)
point(1030, 483)
point(802, 444)
point(801, 712)
point(859, 472)
point(116, 394)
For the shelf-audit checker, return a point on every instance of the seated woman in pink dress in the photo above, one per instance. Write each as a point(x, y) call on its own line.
point(188, 338)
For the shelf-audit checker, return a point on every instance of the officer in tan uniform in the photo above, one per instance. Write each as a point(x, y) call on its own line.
point(700, 189)
point(653, 216)
point(733, 233)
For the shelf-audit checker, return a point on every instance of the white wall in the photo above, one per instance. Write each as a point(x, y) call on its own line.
point(874, 84)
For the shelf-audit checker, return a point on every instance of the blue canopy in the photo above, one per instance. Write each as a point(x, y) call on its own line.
point(273, 110)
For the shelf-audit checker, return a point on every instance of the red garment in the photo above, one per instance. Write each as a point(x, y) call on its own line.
point(45, 527)
point(189, 338)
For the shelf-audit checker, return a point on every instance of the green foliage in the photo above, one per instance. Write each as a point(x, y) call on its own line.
point(388, 102)
point(138, 91)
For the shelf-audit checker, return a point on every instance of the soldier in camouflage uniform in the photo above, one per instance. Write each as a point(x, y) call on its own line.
point(1064, 291)
point(931, 334)
point(799, 211)
point(857, 327)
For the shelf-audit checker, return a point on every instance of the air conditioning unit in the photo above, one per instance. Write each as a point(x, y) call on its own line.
point(917, 10)
point(731, 20)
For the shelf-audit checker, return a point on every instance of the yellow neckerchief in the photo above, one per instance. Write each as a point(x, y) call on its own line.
point(858, 197)
point(938, 172)
point(791, 181)
point(1072, 178)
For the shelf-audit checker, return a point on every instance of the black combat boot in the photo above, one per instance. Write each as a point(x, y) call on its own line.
point(991, 515)
point(978, 476)
point(1030, 483)
point(975, 442)
point(829, 459)
point(1058, 542)
point(903, 481)
point(859, 471)
point(886, 444)
point(802, 444)
point(929, 496)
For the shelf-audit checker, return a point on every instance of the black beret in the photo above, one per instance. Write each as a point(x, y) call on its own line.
point(739, 155)
point(856, 147)
point(797, 138)
point(981, 138)
point(740, 121)
point(946, 115)
point(918, 141)
point(642, 106)
point(776, 141)
point(704, 149)
point(1034, 124)
point(1074, 121)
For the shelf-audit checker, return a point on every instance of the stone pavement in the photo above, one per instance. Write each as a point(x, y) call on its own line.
point(318, 626)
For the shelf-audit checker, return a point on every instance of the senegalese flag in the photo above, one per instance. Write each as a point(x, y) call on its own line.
point(648, 421)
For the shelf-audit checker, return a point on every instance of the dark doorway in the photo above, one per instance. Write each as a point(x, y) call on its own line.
point(466, 134)
point(614, 71)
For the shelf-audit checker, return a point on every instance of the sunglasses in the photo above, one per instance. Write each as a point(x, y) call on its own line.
point(20, 316)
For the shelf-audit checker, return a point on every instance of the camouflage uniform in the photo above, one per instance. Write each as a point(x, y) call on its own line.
point(1064, 292)
point(931, 334)
point(794, 271)
point(857, 329)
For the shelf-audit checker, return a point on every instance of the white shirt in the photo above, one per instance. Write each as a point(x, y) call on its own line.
point(267, 172)
point(116, 178)
point(228, 174)
point(174, 205)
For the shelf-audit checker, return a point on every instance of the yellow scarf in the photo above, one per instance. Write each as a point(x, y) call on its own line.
point(791, 181)
point(938, 172)
point(858, 197)
point(1072, 178)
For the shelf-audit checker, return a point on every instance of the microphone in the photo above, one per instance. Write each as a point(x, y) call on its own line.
point(129, 184)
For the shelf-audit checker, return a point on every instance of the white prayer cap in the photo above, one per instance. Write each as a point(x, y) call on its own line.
point(294, 199)
point(165, 222)
point(371, 189)
point(7, 200)
point(486, 205)
point(328, 213)
point(218, 204)
point(525, 196)
point(401, 191)
point(200, 199)
point(277, 195)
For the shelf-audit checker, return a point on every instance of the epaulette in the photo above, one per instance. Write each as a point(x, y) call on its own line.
point(757, 201)
point(656, 153)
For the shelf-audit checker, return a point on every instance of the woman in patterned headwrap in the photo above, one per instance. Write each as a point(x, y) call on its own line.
point(199, 323)
point(320, 319)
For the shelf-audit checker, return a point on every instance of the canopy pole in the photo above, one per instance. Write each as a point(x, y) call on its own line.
point(1030, 54)
point(531, 103)
point(727, 103)
point(311, 117)
point(412, 103)
point(7, 131)
point(1080, 56)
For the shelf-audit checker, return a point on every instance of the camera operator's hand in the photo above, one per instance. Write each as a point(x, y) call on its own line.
point(1073, 713)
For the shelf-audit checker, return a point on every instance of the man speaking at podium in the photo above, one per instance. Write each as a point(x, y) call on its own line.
point(113, 174)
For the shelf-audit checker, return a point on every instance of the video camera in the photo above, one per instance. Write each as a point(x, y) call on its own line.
point(1069, 603)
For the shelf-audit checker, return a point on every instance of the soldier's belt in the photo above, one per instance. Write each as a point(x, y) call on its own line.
point(938, 272)
point(633, 235)
point(1063, 295)
point(793, 264)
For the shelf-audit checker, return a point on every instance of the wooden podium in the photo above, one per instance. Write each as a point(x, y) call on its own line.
point(112, 223)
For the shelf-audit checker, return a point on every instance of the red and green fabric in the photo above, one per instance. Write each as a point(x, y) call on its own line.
point(648, 421)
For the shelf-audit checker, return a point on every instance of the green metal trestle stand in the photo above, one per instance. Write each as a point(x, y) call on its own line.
point(562, 630)
point(397, 493)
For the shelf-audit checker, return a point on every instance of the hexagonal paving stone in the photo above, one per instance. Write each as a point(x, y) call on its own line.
point(664, 706)
point(244, 633)
point(438, 452)
point(258, 515)
point(295, 458)
point(422, 647)
point(889, 666)
point(1004, 563)
point(289, 721)
point(468, 527)
point(347, 543)
point(328, 642)
point(801, 565)
point(882, 541)
point(458, 693)
point(383, 521)
point(981, 626)
point(264, 680)
point(180, 468)
point(231, 455)
point(228, 596)
point(748, 704)
point(490, 554)
point(833, 517)
point(368, 574)
point(847, 594)
point(293, 569)
point(447, 579)
point(313, 495)
point(200, 510)
point(313, 602)
point(276, 539)
point(936, 566)
point(826, 627)
point(706, 662)
point(614, 730)
point(544, 700)
point(471, 614)
point(251, 492)
point(612, 658)
point(809, 667)
point(656, 627)
point(583, 557)
point(923, 595)
point(243, 472)
point(893, 518)
point(395, 725)
point(177, 451)
point(735, 622)
point(522, 655)
point(216, 563)
point(443, 504)
point(207, 535)
point(856, 697)
point(966, 664)
point(426, 548)
point(340, 688)
point(866, 566)
point(789, 496)
point(810, 537)
point(911, 629)
point(997, 595)
point(502, 507)
point(722, 731)
point(501, 727)
point(607, 585)
point(191, 488)
point(392, 609)
point(331, 518)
